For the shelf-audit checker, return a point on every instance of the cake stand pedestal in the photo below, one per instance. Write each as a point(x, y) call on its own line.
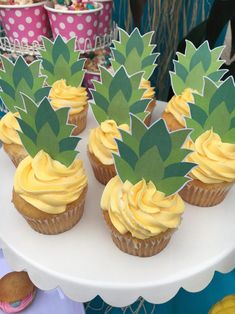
point(84, 262)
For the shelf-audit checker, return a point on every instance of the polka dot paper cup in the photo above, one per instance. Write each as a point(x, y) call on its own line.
point(87, 81)
point(105, 22)
point(82, 24)
point(25, 23)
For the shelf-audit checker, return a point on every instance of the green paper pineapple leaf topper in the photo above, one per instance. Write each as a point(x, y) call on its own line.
point(215, 110)
point(117, 95)
point(43, 128)
point(20, 76)
point(60, 61)
point(191, 67)
point(153, 154)
point(134, 52)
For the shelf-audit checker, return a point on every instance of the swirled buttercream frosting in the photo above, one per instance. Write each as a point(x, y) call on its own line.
point(140, 209)
point(215, 159)
point(8, 129)
point(149, 93)
point(102, 142)
point(63, 95)
point(178, 106)
point(47, 184)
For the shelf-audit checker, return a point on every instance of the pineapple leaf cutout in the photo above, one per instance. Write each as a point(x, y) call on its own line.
point(43, 128)
point(191, 67)
point(153, 154)
point(117, 95)
point(60, 61)
point(134, 52)
point(17, 77)
point(215, 110)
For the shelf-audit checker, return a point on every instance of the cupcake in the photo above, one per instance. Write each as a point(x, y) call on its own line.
point(65, 75)
point(138, 57)
point(141, 205)
point(187, 80)
point(224, 306)
point(10, 138)
point(50, 185)
point(212, 143)
point(113, 99)
point(16, 292)
point(15, 78)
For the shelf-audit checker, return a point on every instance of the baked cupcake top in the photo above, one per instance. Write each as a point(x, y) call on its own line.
point(187, 78)
point(50, 177)
point(8, 129)
point(213, 137)
point(142, 199)
point(15, 286)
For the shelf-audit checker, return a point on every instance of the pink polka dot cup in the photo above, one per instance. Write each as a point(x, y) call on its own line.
point(87, 81)
point(25, 23)
point(105, 22)
point(82, 24)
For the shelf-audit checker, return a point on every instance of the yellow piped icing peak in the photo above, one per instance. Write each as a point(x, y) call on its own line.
point(8, 129)
point(178, 106)
point(63, 95)
point(149, 93)
point(47, 184)
point(141, 209)
point(215, 159)
point(101, 142)
point(225, 306)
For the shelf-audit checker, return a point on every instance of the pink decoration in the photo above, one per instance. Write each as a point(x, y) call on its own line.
point(6, 307)
point(87, 81)
point(82, 24)
point(25, 22)
point(105, 17)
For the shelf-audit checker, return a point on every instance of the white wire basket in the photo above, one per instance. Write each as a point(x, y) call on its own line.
point(23, 48)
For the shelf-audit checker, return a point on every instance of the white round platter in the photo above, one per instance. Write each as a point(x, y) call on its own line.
point(84, 262)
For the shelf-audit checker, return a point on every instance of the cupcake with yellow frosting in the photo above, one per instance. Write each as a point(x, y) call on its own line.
point(111, 105)
point(224, 306)
point(17, 78)
point(213, 145)
point(135, 52)
point(187, 80)
point(65, 74)
point(10, 138)
point(50, 185)
point(141, 205)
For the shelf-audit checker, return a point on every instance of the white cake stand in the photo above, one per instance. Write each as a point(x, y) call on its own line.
point(84, 262)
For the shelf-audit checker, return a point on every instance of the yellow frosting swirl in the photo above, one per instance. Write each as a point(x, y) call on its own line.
point(215, 159)
point(225, 306)
point(63, 95)
point(140, 209)
point(8, 129)
point(49, 185)
point(178, 105)
point(149, 93)
point(101, 142)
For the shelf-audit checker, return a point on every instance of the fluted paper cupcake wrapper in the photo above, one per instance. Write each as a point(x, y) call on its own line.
point(203, 196)
point(150, 108)
point(58, 223)
point(103, 173)
point(137, 247)
point(79, 120)
point(16, 154)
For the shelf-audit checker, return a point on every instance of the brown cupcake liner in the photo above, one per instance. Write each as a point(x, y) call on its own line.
point(204, 195)
point(80, 120)
point(15, 152)
point(150, 108)
point(137, 247)
point(103, 173)
point(54, 224)
point(171, 122)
